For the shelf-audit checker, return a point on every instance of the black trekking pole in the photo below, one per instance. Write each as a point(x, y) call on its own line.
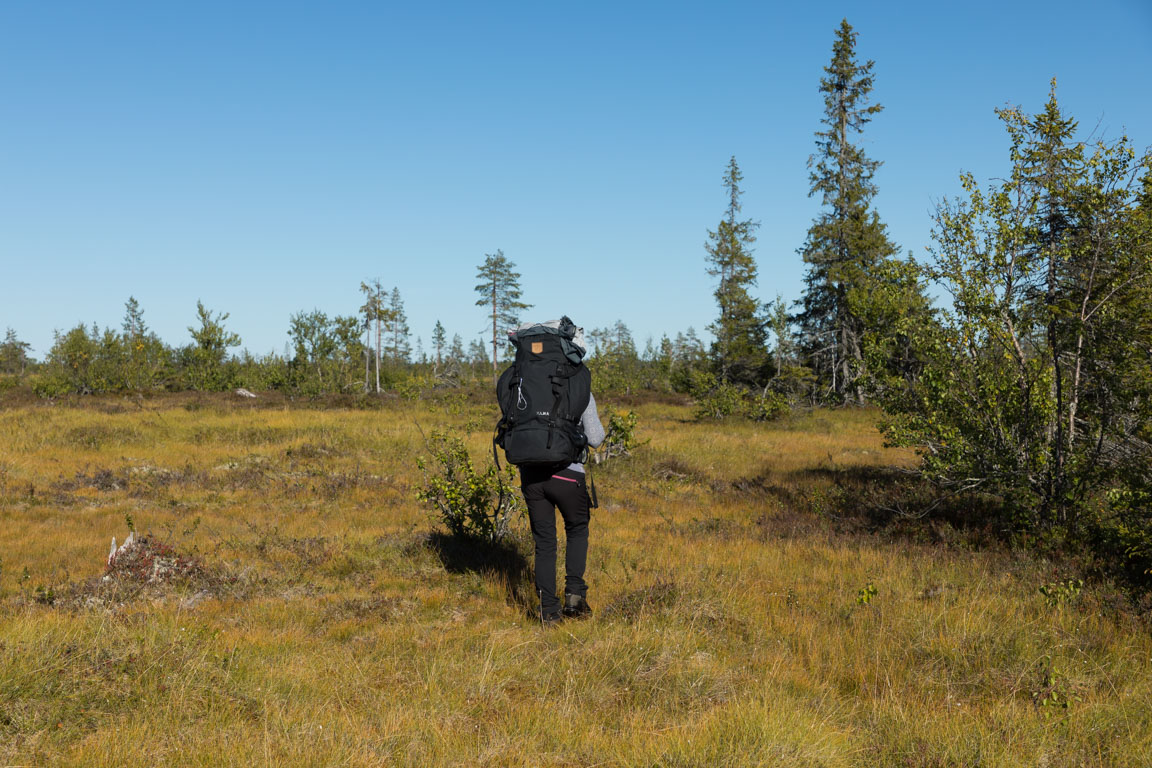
point(593, 502)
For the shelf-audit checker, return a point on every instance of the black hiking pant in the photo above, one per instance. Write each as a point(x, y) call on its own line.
point(545, 490)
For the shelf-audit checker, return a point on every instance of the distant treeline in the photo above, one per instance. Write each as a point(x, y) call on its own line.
point(326, 355)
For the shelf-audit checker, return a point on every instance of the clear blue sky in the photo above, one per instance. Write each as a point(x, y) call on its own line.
point(267, 157)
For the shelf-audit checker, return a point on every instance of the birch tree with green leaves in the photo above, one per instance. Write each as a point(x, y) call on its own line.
point(1035, 386)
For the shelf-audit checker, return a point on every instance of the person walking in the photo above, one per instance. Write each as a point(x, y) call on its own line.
point(565, 488)
point(548, 421)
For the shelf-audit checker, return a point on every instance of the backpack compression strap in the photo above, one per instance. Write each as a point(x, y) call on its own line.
point(559, 381)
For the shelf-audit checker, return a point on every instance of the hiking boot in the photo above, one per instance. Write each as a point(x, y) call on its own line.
point(576, 607)
point(551, 620)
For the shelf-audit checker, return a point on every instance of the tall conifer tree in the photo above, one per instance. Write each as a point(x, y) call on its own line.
point(439, 341)
point(738, 351)
point(847, 241)
point(396, 327)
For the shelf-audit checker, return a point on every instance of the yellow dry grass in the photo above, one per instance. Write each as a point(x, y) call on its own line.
point(733, 624)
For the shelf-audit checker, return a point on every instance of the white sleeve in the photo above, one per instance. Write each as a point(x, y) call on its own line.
point(590, 421)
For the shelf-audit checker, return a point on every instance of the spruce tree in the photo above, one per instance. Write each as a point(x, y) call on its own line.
point(143, 352)
point(13, 354)
point(738, 351)
point(847, 240)
point(134, 325)
point(439, 341)
point(477, 355)
point(396, 327)
point(456, 351)
point(1053, 162)
point(420, 356)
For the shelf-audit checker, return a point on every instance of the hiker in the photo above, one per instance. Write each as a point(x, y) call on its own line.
point(548, 421)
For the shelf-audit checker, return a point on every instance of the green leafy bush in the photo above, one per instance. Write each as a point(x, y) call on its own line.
point(715, 399)
point(470, 503)
point(620, 436)
point(1061, 592)
point(865, 595)
point(718, 400)
point(1124, 531)
point(767, 406)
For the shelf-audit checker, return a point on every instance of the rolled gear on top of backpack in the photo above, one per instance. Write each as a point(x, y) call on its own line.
point(543, 394)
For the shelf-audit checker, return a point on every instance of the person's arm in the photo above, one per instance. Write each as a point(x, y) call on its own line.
point(590, 421)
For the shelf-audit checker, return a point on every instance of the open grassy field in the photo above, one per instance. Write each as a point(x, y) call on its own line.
point(318, 620)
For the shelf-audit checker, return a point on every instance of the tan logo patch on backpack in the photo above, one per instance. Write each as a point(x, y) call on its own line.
point(537, 347)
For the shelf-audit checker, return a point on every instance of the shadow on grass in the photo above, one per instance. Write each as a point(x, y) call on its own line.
point(898, 502)
point(870, 499)
point(504, 561)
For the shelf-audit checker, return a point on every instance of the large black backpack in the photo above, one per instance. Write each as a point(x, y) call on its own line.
point(542, 396)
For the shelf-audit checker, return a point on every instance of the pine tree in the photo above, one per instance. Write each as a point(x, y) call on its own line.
point(847, 240)
point(500, 292)
point(738, 352)
point(375, 311)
